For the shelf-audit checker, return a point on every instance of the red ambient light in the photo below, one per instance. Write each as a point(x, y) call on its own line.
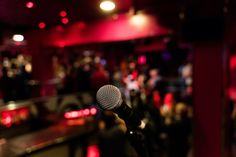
point(65, 20)
point(93, 151)
point(80, 113)
point(42, 25)
point(63, 13)
point(6, 119)
point(29, 5)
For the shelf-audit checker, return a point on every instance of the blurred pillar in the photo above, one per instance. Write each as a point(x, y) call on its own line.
point(209, 66)
point(204, 25)
point(42, 66)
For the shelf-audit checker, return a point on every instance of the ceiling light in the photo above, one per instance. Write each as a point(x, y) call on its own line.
point(107, 5)
point(139, 20)
point(42, 25)
point(63, 13)
point(64, 20)
point(18, 37)
point(29, 5)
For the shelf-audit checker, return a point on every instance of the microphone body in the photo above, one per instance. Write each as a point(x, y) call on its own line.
point(109, 98)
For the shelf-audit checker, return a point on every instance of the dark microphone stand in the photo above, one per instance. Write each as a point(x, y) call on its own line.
point(138, 140)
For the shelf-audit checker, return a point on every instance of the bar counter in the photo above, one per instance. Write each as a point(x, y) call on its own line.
point(70, 132)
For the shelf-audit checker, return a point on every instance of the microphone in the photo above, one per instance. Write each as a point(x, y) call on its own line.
point(109, 98)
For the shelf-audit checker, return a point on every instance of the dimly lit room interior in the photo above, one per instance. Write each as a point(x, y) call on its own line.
point(117, 78)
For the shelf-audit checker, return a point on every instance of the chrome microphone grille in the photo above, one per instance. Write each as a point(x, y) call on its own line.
point(109, 97)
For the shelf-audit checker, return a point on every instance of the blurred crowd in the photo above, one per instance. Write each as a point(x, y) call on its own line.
point(15, 76)
point(165, 103)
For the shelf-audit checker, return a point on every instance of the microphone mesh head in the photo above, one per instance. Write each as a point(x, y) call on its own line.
point(109, 97)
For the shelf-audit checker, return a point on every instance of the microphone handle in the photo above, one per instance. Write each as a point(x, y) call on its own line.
point(133, 122)
point(135, 132)
point(128, 115)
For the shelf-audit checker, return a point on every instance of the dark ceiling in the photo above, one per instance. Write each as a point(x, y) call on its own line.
point(14, 13)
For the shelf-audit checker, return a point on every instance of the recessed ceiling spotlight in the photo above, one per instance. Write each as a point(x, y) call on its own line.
point(42, 25)
point(64, 20)
point(29, 4)
point(107, 5)
point(18, 37)
point(63, 13)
